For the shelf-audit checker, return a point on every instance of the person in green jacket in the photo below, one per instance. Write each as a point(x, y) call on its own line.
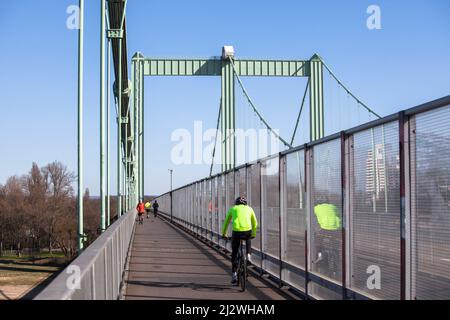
point(327, 215)
point(330, 224)
point(244, 227)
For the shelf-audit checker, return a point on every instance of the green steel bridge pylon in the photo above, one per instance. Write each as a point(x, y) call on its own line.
point(228, 68)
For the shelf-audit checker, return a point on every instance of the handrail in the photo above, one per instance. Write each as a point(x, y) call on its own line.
point(97, 273)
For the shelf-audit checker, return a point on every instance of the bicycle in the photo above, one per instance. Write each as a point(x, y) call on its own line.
point(328, 259)
point(241, 261)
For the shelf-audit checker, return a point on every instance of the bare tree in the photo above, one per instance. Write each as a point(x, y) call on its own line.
point(36, 204)
point(60, 192)
point(13, 212)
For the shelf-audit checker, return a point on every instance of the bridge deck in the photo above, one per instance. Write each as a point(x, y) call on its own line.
point(167, 263)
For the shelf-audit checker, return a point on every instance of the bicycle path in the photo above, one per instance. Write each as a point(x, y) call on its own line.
point(167, 263)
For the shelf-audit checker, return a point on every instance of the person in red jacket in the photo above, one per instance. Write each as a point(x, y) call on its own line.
point(140, 209)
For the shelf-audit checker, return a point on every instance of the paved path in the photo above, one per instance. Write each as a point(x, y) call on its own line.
point(167, 263)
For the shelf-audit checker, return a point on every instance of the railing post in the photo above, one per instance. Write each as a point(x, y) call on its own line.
point(343, 206)
point(348, 210)
point(261, 202)
point(282, 211)
point(80, 127)
point(102, 116)
point(402, 155)
point(308, 232)
point(409, 173)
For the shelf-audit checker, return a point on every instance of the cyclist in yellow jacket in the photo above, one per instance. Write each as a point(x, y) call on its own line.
point(327, 215)
point(148, 205)
point(330, 226)
point(244, 227)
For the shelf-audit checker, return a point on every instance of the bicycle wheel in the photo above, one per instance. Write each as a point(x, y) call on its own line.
point(242, 272)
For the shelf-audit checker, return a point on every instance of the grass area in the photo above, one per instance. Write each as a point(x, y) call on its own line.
point(18, 275)
point(25, 257)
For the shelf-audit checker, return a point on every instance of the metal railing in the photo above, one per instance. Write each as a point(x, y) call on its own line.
point(97, 273)
point(388, 184)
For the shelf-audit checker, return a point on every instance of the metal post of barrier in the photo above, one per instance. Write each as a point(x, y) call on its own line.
point(409, 125)
point(343, 205)
point(402, 119)
point(80, 126)
point(281, 168)
point(261, 211)
point(102, 117)
point(308, 232)
point(348, 209)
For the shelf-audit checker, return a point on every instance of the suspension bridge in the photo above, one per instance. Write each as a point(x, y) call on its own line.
point(388, 177)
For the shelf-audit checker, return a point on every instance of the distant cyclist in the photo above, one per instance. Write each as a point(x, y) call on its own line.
point(155, 208)
point(328, 231)
point(148, 205)
point(140, 209)
point(244, 227)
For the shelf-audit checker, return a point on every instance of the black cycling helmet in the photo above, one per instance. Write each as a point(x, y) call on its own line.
point(241, 200)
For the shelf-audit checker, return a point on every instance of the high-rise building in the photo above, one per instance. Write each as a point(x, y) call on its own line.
point(376, 171)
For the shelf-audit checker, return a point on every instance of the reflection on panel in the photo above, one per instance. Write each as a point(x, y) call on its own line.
point(271, 212)
point(254, 200)
point(295, 215)
point(431, 205)
point(375, 223)
point(326, 215)
point(311, 197)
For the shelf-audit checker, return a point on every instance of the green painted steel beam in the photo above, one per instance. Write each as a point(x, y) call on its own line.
point(119, 136)
point(227, 116)
point(102, 117)
point(80, 238)
point(316, 104)
point(213, 67)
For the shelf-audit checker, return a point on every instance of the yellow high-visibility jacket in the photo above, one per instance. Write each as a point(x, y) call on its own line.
point(244, 219)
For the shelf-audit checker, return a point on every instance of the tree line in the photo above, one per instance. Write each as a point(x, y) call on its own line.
point(38, 212)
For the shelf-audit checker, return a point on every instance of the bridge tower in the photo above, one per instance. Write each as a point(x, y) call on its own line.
point(228, 68)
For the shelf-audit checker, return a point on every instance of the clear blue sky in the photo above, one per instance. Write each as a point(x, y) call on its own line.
point(405, 63)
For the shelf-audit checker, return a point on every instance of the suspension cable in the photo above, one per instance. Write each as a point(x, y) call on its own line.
point(348, 91)
point(300, 113)
point(215, 139)
point(255, 109)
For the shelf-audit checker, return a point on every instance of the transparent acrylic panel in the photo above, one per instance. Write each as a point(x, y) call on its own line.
point(326, 233)
point(230, 201)
point(223, 204)
point(230, 190)
point(254, 200)
point(197, 206)
point(293, 279)
point(215, 220)
point(271, 212)
point(209, 208)
point(430, 164)
point(295, 215)
point(375, 201)
point(202, 207)
point(184, 207)
point(322, 293)
point(192, 205)
point(241, 183)
point(175, 204)
point(205, 208)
